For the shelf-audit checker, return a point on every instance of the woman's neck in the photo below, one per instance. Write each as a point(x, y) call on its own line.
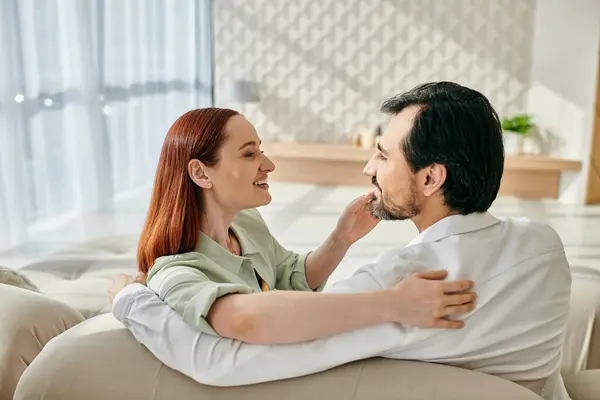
point(216, 222)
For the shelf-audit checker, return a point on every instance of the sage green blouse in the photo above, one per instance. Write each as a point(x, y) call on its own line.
point(191, 282)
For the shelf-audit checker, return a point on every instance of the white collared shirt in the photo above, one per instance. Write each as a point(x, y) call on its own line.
point(522, 280)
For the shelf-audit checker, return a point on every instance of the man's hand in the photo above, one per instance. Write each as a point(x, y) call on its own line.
point(424, 300)
point(121, 282)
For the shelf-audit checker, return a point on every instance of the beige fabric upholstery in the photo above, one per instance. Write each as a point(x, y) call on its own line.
point(28, 321)
point(581, 360)
point(14, 278)
point(99, 359)
point(582, 340)
point(584, 385)
point(80, 277)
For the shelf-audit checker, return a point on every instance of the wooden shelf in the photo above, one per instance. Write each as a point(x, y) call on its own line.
point(527, 176)
point(540, 163)
point(317, 151)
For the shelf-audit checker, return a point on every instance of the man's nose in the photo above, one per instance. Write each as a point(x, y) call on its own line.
point(371, 168)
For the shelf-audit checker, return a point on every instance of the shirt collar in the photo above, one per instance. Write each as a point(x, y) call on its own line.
point(221, 255)
point(249, 246)
point(455, 225)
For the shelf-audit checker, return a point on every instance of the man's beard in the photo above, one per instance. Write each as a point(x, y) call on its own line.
point(385, 209)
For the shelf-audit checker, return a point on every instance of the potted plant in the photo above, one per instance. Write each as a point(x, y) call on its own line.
point(521, 126)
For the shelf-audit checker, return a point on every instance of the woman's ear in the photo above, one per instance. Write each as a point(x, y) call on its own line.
point(197, 172)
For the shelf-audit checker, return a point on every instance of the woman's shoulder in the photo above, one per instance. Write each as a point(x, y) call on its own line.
point(191, 258)
point(184, 263)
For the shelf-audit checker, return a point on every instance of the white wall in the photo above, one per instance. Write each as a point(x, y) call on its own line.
point(325, 66)
point(566, 44)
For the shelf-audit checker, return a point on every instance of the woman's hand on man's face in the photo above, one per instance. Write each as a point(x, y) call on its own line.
point(356, 220)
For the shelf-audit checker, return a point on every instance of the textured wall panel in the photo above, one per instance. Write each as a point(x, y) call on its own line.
point(325, 66)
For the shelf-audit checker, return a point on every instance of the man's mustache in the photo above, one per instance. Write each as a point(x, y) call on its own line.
point(374, 182)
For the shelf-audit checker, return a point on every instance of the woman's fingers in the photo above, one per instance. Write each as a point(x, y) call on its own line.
point(458, 299)
point(448, 324)
point(359, 202)
point(456, 310)
point(433, 275)
point(456, 286)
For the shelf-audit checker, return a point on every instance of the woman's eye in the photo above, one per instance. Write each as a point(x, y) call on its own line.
point(252, 154)
point(382, 157)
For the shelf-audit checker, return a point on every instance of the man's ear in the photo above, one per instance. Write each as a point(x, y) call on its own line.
point(435, 176)
point(197, 172)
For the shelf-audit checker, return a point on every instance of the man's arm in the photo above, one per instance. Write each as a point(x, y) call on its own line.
point(226, 362)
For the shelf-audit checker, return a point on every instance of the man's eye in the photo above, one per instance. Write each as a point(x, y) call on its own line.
point(251, 154)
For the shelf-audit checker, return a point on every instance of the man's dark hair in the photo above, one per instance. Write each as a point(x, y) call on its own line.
point(456, 127)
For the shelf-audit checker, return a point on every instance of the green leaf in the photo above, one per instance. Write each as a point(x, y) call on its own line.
point(520, 123)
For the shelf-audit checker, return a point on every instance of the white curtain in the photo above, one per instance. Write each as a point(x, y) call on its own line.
point(88, 90)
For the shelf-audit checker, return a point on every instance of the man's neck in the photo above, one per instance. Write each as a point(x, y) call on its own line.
point(216, 221)
point(430, 216)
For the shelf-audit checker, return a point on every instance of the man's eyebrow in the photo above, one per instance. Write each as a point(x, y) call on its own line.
point(381, 149)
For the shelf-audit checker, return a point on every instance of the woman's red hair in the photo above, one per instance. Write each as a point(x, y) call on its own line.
point(173, 222)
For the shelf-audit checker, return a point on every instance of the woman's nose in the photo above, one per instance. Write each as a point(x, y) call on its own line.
point(267, 165)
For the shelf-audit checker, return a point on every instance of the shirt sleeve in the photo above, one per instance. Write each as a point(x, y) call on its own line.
point(363, 280)
point(191, 294)
point(291, 269)
point(225, 362)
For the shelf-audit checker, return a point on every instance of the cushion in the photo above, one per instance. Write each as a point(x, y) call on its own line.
point(582, 339)
point(11, 277)
point(100, 359)
point(29, 321)
point(584, 385)
point(81, 274)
